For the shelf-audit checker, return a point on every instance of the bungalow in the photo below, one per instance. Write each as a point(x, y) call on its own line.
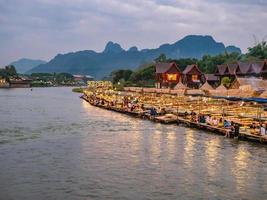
point(226, 70)
point(167, 74)
point(242, 69)
point(193, 77)
point(212, 80)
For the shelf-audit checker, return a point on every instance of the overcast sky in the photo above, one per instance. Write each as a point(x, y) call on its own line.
point(40, 29)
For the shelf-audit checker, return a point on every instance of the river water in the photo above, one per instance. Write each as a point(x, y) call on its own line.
point(53, 145)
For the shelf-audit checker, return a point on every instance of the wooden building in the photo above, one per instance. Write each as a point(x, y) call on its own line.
point(20, 82)
point(242, 69)
point(167, 74)
point(193, 77)
point(212, 80)
point(3, 83)
point(226, 70)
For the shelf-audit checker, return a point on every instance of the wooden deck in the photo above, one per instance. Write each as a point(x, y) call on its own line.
point(179, 120)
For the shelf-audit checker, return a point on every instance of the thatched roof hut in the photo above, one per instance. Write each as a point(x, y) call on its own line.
point(180, 86)
point(264, 94)
point(247, 84)
point(206, 86)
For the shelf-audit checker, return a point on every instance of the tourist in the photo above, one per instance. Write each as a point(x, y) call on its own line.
point(262, 129)
point(153, 113)
point(215, 122)
point(226, 124)
point(163, 111)
point(220, 124)
point(236, 130)
point(253, 128)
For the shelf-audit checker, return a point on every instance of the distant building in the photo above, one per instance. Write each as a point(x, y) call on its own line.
point(193, 76)
point(20, 82)
point(167, 74)
point(83, 78)
point(3, 83)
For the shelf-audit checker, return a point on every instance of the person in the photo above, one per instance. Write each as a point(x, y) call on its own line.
point(215, 122)
point(236, 130)
point(153, 113)
point(163, 111)
point(253, 128)
point(220, 124)
point(226, 124)
point(262, 129)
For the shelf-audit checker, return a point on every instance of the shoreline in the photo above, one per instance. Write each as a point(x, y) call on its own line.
point(179, 120)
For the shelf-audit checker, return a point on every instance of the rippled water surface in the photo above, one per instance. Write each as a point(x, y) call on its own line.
point(53, 145)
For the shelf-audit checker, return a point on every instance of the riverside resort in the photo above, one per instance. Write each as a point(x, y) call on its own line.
point(238, 112)
point(133, 100)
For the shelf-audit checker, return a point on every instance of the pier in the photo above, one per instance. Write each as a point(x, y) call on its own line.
point(179, 118)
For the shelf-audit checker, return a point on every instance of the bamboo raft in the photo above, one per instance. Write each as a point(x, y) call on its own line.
point(183, 121)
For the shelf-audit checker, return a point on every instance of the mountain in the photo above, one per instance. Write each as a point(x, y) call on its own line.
point(115, 57)
point(23, 65)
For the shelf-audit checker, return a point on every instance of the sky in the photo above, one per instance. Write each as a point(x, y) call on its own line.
point(40, 29)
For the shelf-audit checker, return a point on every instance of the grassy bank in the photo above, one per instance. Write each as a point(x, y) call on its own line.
point(78, 90)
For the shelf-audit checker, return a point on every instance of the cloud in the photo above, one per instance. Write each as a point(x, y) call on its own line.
point(43, 28)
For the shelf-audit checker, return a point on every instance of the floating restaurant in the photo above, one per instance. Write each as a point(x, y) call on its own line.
point(239, 117)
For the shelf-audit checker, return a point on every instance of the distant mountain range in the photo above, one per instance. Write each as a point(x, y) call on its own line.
point(115, 57)
point(23, 65)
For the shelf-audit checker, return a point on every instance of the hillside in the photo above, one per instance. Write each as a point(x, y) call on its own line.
point(115, 57)
point(23, 65)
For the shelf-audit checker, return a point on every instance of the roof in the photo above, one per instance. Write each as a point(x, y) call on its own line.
point(264, 94)
point(206, 86)
point(221, 69)
point(180, 86)
point(243, 67)
point(221, 88)
point(255, 83)
point(164, 67)
point(189, 68)
point(232, 68)
point(257, 66)
point(211, 77)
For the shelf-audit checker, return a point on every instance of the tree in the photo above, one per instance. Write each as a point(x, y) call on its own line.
point(257, 52)
point(162, 58)
point(121, 75)
point(11, 70)
point(226, 81)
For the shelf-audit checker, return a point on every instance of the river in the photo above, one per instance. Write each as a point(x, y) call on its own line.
point(54, 145)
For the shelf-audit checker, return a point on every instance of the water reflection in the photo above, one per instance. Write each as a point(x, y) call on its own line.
point(241, 169)
point(156, 145)
point(83, 152)
point(171, 144)
point(189, 151)
point(212, 155)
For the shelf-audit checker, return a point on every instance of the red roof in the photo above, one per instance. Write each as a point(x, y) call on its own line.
point(189, 68)
point(164, 67)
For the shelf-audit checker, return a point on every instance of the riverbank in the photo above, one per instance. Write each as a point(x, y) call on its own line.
point(78, 90)
point(235, 129)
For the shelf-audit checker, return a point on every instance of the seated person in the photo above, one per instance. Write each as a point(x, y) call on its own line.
point(226, 124)
point(220, 124)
